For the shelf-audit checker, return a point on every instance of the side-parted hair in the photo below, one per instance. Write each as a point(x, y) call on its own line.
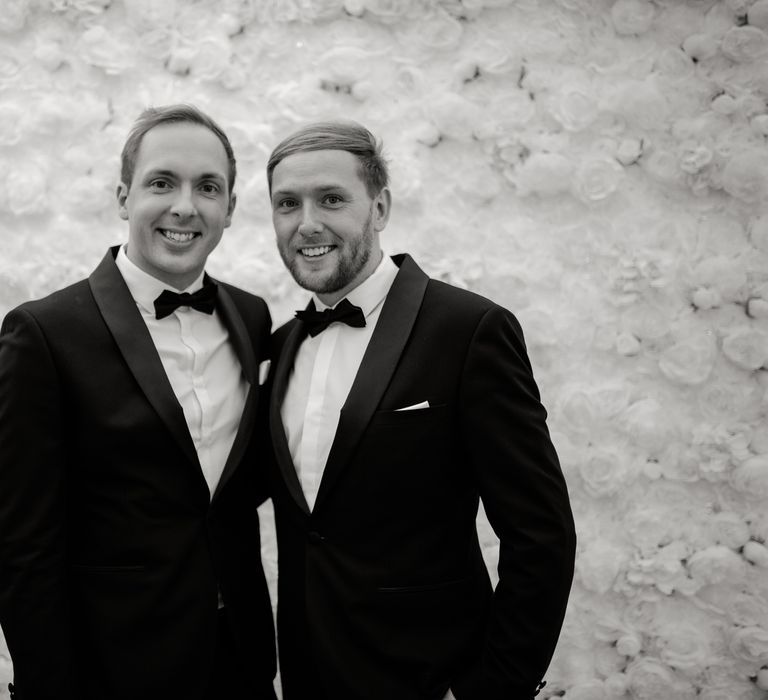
point(337, 136)
point(170, 114)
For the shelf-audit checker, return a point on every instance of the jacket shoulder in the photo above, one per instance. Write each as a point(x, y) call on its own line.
point(59, 302)
point(458, 300)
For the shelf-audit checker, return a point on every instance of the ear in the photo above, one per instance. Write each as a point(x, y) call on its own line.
point(382, 205)
point(230, 209)
point(122, 197)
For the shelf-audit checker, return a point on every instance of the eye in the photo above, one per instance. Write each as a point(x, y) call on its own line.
point(159, 185)
point(333, 199)
point(210, 188)
point(286, 203)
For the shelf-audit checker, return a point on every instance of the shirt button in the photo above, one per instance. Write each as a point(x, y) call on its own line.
point(315, 537)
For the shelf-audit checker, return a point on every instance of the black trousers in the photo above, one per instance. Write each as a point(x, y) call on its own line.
point(232, 679)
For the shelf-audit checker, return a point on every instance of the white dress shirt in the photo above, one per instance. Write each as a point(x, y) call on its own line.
point(201, 365)
point(323, 372)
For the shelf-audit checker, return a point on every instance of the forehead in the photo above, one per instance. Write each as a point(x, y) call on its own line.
point(314, 169)
point(182, 147)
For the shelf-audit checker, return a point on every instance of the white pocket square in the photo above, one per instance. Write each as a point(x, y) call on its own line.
point(423, 404)
point(264, 371)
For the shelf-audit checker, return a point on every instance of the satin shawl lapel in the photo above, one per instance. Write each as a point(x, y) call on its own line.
point(279, 440)
point(377, 367)
point(124, 321)
point(241, 342)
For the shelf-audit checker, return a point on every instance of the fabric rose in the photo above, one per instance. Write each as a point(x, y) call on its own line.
point(90, 7)
point(758, 231)
point(319, 10)
point(390, 11)
point(148, 14)
point(643, 104)
point(114, 53)
point(649, 679)
point(439, 31)
point(729, 529)
point(724, 275)
point(599, 565)
point(587, 690)
point(701, 47)
point(750, 644)
point(574, 107)
point(747, 348)
point(14, 16)
point(12, 123)
point(745, 176)
point(50, 54)
point(496, 58)
point(683, 645)
point(544, 174)
point(453, 115)
point(690, 360)
point(716, 564)
point(629, 151)
point(663, 569)
point(663, 166)
point(603, 473)
point(756, 554)
point(509, 111)
point(759, 124)
point(751, 477)
point(632, 16)
point(26, 189)
point(694, 157)
point(597, 179)
point(758, 15)
point(745, 44)
point(647, 423)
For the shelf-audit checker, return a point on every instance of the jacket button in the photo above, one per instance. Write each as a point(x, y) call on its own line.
point(315, 537)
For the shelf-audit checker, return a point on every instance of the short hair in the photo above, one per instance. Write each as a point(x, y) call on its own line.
point(170, 114)
point(338, 136)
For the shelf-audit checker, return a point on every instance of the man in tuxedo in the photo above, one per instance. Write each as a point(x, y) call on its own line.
point(129, 539)
point(398, 402)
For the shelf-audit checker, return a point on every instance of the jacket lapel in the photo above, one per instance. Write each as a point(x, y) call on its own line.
point(241, 342)
point(377, 367)
point(124, 321)
point(279, 440)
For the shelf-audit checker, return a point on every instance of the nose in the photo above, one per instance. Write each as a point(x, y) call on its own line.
point(183, 204)
point(309, 224)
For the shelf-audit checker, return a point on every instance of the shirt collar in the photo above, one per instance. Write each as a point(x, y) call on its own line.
point(372, 291)
point(145, 288)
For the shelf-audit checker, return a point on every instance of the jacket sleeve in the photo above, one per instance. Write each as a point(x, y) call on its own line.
point(34, 605)
point(526, 500)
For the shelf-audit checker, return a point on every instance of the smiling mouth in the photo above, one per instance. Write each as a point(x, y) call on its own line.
point(316, 251)
point(178, 236)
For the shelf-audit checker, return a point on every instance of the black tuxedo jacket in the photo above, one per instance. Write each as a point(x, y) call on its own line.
point(111, 550)
point(383, 592)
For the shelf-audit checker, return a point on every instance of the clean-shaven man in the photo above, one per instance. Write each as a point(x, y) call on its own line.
point(129, 539)
point(399, 402)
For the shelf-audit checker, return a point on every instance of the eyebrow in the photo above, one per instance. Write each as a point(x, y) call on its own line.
point(171, 173)
point(321, 189)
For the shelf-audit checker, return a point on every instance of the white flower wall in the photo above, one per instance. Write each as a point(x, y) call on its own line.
point(600, 167)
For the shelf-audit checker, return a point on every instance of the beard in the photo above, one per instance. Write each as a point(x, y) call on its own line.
point(352, 260)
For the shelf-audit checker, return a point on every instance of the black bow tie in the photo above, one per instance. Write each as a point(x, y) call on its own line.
point(203, 299)
point(344, 312)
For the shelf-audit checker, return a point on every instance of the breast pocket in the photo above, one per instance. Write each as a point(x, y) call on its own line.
point(424, 416)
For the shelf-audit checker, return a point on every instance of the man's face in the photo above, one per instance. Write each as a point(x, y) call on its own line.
point(178, 204)
point(326, 223)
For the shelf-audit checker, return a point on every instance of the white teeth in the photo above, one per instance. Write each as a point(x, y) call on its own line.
point(314, 252)
point(178, 236)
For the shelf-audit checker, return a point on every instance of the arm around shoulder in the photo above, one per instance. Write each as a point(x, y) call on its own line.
point(520, 482)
